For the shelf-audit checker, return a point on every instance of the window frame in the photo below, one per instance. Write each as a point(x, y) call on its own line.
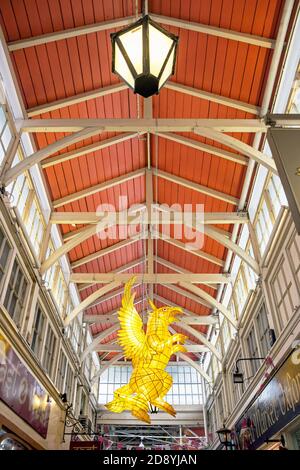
point(53, 355)
point(21, 268)
point(38, 307)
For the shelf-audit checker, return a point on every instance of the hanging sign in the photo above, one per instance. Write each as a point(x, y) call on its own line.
point(276, 405)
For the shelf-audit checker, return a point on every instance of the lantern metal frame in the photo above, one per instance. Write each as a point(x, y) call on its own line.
point(226, 433)
point(145, 84)
point(238, 377)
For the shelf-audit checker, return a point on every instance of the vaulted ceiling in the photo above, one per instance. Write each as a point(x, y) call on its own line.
point(61, 53)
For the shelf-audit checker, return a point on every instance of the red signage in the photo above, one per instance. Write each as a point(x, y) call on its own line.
point(84, 445)
point(20, 390)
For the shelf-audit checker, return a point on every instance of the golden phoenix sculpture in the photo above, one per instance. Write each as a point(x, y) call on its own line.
point(150, 353)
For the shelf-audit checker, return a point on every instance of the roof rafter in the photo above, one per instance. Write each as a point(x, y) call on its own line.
point(136, 174)
point(125, 267)
point(205, 95)
point(76, 99)
point(188, 295)
point(215, 235)
point(196, 366)
point(98, 188)
point(197, 145)
point(40, 155)
point(111, 295)
point(89, 300)
point(174, 86)
point(211, 300)
point(178, 269)
point(215, 31)
point(109, 363)
point(196, 187)
point(70, 33)
point(121, 269)
point(190, 318)
point(185, 246)
point(85, 150)
point(200, 292)
point(82, 235)
point(106, 251)
point(116, 23)
point(237, 144)
point(98, 338)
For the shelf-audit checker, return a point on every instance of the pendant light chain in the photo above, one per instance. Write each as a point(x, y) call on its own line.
point(156, 201)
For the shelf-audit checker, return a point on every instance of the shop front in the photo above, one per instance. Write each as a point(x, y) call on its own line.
point(272, 420)
point(24, 404)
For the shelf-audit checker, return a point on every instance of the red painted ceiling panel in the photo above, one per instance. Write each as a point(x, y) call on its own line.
point(63, 68)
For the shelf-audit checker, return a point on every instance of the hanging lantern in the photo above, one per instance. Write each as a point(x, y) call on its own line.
point(144, 56)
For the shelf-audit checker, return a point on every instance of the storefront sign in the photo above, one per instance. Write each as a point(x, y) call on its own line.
point(275, 407)
point(84, 445)
point(20, 390)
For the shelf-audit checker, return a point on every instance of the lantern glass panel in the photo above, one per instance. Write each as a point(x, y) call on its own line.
point(122, 68)
point(168, 69)
point(133, 44)
point(159, 46)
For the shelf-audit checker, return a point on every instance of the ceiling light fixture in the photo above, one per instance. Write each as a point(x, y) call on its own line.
point(144, 55)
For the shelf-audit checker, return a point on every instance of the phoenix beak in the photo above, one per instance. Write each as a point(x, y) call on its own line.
point(175, 313)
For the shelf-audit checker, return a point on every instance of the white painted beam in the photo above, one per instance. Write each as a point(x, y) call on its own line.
point(221, 237)
point(215, 31)
point(219, 99)
point(140, 125)
point(214, 303)
point(197, 334)
point(197, 187)
point(81, 236)
point(153, 278)
point(215, 235)
point(202, 147)
point(116, 348)
point(105, 251)
point(110, 296)
point(189, 295)
point(118, 23)
point(186, 247)
point(98, 338)
point(112, 317)
point(100, 319)
point(100, 92)
point(177, 269)
point(68, 246)
point(190, 318)
point(238, 145)
point(109, 363)
point(121, 269)
point(89, 300)
point(40, 155)
point(70, 33)
point(86, 149)
point(196, 366)
point(98, 188)
point(210, 218)
point(76, 99)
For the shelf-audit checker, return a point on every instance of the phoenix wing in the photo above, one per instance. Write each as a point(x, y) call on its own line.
point(131, 335)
